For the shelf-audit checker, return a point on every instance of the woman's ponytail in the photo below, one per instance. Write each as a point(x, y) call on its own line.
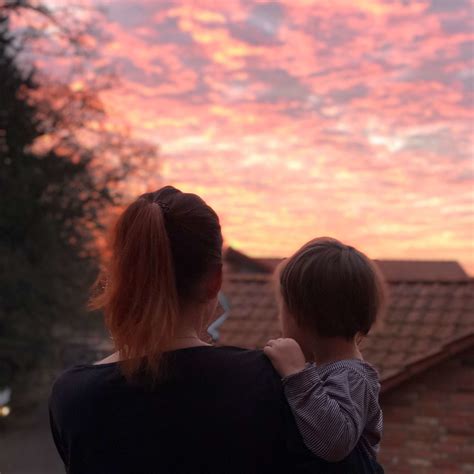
point(139, 297)
point(162, 246)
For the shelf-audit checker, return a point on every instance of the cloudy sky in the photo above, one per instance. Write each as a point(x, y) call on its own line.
point(302, 118)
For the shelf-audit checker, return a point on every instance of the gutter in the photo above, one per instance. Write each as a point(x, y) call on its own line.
point(446, 352)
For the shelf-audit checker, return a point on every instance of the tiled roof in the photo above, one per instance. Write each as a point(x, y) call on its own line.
point(270, 263)
point(426, 271)
point(425, 322)
point(252, 316)
point(238, 262)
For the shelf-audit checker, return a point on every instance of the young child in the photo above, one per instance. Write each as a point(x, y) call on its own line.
point(329, 296)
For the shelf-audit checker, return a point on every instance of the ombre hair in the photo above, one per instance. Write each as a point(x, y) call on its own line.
point(332, 289)
point(162, 246)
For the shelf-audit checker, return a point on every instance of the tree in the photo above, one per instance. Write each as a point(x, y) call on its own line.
point(55, 185)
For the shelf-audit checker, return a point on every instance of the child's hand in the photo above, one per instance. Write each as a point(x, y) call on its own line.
point(286, 356)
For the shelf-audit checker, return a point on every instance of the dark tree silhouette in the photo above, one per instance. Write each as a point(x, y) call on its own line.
point(57, 179)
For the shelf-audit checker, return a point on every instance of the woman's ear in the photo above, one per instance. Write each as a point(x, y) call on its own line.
point(214, 282)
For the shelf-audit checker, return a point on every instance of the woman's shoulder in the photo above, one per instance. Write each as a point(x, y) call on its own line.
point(240, 355)
point(227, 367)
point(215, 356)
point(223, 371)
point(222, 363)
point(82, 379)
point(84, 373)
point(248, 363)
point(79, 384)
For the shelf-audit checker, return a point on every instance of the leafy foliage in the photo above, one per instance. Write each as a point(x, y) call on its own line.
point(57, 178)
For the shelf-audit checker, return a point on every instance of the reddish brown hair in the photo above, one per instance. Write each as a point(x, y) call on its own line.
point(332, 289)
point(162, 246)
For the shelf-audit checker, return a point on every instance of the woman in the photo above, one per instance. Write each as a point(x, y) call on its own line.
point(166, 401)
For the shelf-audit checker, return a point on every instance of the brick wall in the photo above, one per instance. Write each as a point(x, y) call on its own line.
point(429, 421)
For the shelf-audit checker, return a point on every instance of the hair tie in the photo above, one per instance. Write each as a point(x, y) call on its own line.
point(164, 207)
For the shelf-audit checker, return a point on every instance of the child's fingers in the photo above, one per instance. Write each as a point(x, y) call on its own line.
point(272, 348)
point(269, 352)
point(276, 342)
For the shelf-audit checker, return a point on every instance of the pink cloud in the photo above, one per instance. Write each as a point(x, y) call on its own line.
point(297, 119)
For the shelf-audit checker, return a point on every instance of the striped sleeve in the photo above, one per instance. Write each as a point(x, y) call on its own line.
point(330, 413)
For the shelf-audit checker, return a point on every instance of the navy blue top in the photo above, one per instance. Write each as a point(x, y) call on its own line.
point(221, 410)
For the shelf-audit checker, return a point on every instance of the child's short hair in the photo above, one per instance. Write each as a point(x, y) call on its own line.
point(332, 289)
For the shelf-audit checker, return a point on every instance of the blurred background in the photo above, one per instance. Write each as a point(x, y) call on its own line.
point(293, 119)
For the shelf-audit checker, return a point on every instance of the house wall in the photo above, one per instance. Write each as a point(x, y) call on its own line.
point(429, 421)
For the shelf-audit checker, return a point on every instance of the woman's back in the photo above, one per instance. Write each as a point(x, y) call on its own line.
point(221, 411)
point(218, 412)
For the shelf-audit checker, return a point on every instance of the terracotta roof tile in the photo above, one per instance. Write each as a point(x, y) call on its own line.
point(421, 320)
point(237, 262)
point(422, 271)
point(270, 263)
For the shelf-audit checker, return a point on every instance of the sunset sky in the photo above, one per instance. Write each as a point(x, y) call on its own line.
point(297, 119)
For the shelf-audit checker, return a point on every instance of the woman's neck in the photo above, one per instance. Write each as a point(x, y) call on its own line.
point(185, 336)
point(331, 349)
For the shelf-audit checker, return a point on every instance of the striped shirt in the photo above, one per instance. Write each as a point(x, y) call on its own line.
point(336, 407)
